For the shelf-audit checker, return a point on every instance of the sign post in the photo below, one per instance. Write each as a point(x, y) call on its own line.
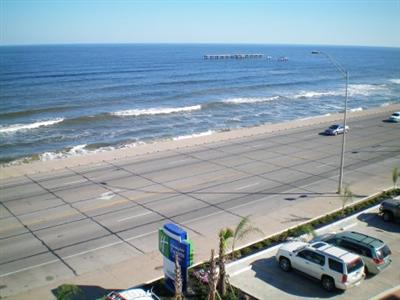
point(172, 242)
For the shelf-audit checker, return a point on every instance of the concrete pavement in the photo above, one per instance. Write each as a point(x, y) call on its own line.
point(259, 275)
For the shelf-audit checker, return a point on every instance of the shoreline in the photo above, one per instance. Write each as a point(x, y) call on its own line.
point(167, 145)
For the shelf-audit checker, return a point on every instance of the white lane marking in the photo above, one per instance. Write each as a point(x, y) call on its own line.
point(141, 235)
point(29, 268)
point(247, 186)
point(135, 216)
point(203, 217)
point(77, 254)
point(73, 182)
point(176, 161)
point(106, 196)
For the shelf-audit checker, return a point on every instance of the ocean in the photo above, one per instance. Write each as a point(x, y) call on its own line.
point(65, 100)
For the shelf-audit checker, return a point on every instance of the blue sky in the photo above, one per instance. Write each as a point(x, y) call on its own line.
point(340, 22)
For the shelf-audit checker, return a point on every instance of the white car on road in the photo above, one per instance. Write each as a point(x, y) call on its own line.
point(333, 266)
point(395, 117)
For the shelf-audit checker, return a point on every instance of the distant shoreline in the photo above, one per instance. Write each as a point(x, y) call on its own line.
point(166, 145)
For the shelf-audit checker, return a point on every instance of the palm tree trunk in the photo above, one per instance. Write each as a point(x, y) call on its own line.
point(178, 280)
point(222, 270)
point(212, 277)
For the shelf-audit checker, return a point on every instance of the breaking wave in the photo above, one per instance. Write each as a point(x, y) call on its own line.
point(20, 127)
point(155, 111)
point(365, 89)
point(189, 136)
point(250, 100)
point(313, 94)
point(353, 90)
point(356, 109)
point(395, 80)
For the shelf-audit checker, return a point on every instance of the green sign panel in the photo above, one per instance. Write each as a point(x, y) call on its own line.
point(163, 242)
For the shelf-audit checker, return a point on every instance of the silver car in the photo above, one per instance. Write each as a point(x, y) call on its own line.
point(336, 129)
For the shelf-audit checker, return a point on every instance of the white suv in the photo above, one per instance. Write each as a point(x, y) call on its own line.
point(333, 266)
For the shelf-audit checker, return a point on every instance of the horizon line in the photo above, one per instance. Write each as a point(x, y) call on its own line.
point(191, 43)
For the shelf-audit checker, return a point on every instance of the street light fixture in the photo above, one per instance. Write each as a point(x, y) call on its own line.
point(345, 74)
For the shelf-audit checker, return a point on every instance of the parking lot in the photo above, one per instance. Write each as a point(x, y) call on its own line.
point(260, 276)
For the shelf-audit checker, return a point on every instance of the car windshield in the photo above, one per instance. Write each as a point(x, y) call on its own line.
point(396, 115)
point(354, 265)
point(334, 127)
point(383, 252)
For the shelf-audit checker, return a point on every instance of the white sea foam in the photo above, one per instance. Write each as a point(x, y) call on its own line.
point(386, 104)
point(353, 90)
point(395, 80)
point(365, 89)
point(313, 94)
point(76, 150)
point(356, 109)
point(249, 100)
point(155, 111)
point(184, 137)
point(20, 127)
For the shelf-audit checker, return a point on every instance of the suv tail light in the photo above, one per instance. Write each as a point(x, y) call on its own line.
point(344, 278)
point(378, 261)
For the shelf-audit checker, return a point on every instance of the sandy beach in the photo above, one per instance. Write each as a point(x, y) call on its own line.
point(165, 145)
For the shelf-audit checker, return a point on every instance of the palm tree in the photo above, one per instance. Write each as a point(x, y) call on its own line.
point(395, 176)
point(242, 230)
point(178, 280)
point(224, 235)
point(212, 277)
point(347, 195)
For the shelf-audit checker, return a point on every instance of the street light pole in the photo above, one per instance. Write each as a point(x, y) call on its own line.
point(345, 74)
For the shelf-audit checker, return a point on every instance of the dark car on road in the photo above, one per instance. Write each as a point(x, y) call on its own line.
point(390, 210)
point(374, 252)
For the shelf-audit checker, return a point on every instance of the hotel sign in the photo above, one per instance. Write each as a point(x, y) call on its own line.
point(172, 242)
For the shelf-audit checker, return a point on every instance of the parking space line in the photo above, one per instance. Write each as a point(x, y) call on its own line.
point(349, 226)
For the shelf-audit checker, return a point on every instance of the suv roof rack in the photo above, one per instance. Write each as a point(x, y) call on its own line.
point(363, 238)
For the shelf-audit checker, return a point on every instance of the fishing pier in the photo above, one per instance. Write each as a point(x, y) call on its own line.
point(233, 56)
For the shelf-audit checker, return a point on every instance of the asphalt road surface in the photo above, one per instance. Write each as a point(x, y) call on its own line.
point(76, 220)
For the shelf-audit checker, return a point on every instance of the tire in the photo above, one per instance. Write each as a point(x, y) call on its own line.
point(328, 283)
point(335, 133)
point(366, 271)
point(285, 264)
point(387, 216)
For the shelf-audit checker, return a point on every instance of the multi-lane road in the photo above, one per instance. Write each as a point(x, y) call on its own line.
point(65, 223)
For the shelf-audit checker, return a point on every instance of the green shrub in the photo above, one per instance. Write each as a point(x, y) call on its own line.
point(69, 292)
point(245, 251)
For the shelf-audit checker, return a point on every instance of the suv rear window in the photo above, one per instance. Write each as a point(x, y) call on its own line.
point(383, 252)
point(354, 265)
point(336, 266)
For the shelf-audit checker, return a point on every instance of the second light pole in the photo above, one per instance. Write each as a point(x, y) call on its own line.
point(345, 74)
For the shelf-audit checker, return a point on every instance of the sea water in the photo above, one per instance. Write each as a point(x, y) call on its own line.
point(65, 100)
